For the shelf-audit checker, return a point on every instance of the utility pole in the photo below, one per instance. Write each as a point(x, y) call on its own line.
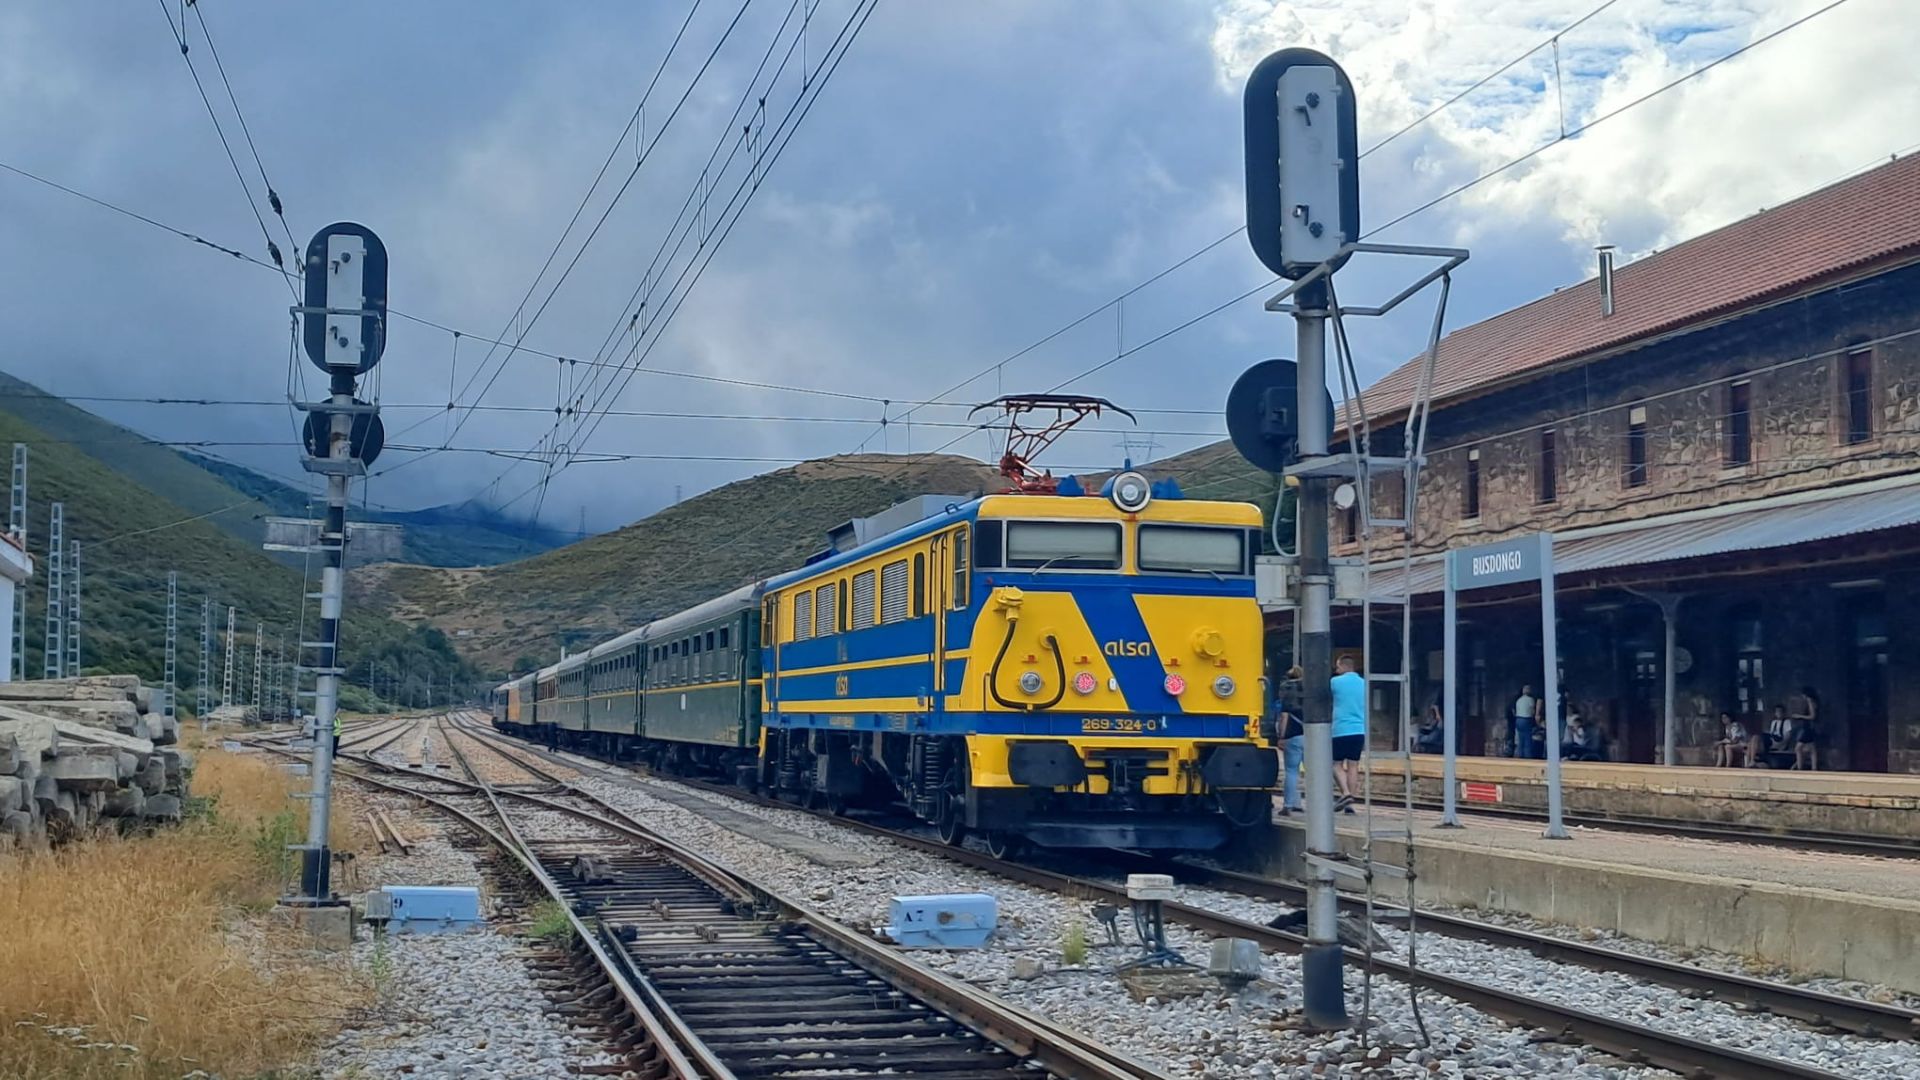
point(259, 644)
point(73, 612)
point(226, 677)
point(279, 675)
point(173, 630)
point(344, 333)
point(1303, 207)
point(55, 647)
point(17, 523)
point(204, 703)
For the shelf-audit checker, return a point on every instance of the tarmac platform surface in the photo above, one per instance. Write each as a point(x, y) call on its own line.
point(1880, 805)
point(1849, 916)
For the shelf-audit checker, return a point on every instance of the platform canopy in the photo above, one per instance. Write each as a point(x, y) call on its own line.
point(1752, 525)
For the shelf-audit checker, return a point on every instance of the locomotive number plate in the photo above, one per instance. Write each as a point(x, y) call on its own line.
point(1125, 725)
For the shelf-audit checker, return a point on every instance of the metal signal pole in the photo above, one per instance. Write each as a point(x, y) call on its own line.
point(1303, 209)
point(17, 522)
point(55, 647)
point(344, 333)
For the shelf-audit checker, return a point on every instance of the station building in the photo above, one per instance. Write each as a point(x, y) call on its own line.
point(1733, 439)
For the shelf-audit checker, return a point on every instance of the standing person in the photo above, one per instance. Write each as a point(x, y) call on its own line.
point(1293, 741)
point(1806, 736)
point(1524, 708)
point(1349, 728)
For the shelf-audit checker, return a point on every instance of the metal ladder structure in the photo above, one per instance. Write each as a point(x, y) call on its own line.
point(1360, 467)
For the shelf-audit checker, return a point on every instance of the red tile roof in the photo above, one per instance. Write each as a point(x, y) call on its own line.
point(1867, 219)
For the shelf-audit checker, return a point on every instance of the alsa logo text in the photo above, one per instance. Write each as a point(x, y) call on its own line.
point(1128, 648)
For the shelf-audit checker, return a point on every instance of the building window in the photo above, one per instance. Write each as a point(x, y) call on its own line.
point(1549, 467)
point(1738, 441)
point(1350, 524)
point(1858, 400)
point(1471, 506)
point(1635, 472)
point(1749, 661)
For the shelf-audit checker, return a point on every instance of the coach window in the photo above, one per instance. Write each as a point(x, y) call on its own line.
point(919, 585)
point(960, 564)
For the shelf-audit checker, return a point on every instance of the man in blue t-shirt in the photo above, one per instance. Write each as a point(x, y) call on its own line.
point(1349, 728)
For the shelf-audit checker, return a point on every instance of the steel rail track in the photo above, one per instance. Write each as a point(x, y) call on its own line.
point(1012, 1043)
point(1623, 1039)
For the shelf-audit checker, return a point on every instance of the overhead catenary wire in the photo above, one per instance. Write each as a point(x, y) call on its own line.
point(274, 202)
point(180, 39)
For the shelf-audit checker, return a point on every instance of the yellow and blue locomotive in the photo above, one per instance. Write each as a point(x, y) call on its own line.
point(1064, 669)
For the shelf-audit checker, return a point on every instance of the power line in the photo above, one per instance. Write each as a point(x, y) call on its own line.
point(611, 204)
point(273, 196)
point(180, 39)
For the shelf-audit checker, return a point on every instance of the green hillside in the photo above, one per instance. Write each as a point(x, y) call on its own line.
point(133, 531)
point(522, 612)
point(464, 535)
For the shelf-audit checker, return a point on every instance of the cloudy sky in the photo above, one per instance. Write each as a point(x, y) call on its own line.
point(899, 225)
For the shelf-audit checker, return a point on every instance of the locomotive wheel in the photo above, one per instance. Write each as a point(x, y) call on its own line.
point(950, 816)
point(1002, 844)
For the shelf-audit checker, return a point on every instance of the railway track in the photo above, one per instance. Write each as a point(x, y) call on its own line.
point(726, 978)
point(1630, 1041)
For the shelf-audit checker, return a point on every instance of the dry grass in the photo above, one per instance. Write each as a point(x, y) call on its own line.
point(150, 957)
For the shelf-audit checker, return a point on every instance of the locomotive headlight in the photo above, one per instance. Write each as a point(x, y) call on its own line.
point(1030, 682)
point(1084, 683)
point(1176, 685)
point(1223, 686)
point(1130, 492)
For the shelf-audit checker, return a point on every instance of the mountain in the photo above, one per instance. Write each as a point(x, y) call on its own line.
point(139, 510)
point(519, 614)
point(468, 534)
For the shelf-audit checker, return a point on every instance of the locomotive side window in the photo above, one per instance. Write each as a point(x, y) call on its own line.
point(1191, 549)
point(919, 585)
point(1063, 545)
point(960, 564)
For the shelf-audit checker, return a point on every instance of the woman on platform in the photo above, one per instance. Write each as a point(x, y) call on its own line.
point(1806, 736)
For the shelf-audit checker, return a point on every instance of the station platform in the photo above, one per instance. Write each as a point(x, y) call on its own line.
point(1817, 913)
point(1872, 805)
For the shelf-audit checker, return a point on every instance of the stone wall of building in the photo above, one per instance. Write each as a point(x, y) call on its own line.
point(1792, 354)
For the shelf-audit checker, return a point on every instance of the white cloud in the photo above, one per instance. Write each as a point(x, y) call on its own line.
point(1796, 112)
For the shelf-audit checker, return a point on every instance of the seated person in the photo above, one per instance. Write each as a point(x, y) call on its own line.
point(1732, 744)
point(1772, 746)
point(1581, 742)
point(1432, 736)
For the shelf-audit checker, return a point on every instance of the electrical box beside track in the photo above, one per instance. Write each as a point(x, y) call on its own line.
point(945, 921)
